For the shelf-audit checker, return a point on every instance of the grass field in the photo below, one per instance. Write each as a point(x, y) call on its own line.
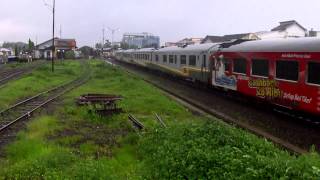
point(39, 80)
point(76, 144)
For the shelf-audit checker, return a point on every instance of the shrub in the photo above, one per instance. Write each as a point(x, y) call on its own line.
point(214, 151)
point(70, 55)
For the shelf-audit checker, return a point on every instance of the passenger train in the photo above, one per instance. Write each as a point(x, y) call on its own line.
point(284, 72)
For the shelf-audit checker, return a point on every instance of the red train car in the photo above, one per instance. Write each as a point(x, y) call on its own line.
point(285, 72)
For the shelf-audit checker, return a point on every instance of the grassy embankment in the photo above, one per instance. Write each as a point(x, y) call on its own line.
point(37, 81)
point(76, 144)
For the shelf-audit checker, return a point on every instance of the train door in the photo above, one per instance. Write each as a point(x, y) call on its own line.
point(203, 67)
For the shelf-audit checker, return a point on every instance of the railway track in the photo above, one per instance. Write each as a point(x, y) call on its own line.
point(8, 75)
point(25, 109)
point(221, 115)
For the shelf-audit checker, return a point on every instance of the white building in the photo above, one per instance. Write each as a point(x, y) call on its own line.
point(313, 33)
point(141, 40)
point(44, 50)
point(286, 29)
point(5, 54)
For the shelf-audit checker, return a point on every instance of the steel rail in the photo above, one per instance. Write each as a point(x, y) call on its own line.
point(38, 101)
point(16, 73)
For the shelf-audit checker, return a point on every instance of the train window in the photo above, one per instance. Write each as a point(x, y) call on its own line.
point(157, 58)
point(239, 66)
point(183, 59)
point(313, 73)
point(192, 60)
point(171, 59)
point(226, 63)
point(260, 67)
point(165, 58)
point(175, 59)
point(287, 70)
point(204, 63)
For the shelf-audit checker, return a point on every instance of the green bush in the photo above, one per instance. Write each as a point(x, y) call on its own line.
point(70, 55)
point(213, 151)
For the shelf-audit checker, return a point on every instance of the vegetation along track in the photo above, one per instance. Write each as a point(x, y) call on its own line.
point(24, 109)
point(8, 75)
point(194, 101)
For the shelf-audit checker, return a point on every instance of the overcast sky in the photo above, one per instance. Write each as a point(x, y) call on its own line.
point(172, 20)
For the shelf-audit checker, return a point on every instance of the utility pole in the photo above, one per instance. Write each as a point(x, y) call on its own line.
point(112, 33)
point(53, 47)
point(102, 45)
point(60, 32)
point(53, 10)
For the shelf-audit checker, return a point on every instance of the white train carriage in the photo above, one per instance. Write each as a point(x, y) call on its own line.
point(191, 61)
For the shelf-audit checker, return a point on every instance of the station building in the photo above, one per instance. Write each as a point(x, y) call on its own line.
point(44, 50)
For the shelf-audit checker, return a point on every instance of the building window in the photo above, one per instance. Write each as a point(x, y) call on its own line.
point(192, 60)
point(171, 59)
point(260, 67)
point(239, 66)
point(175, 59)
point(183, 59)
point(157, 58)
point(313, 73)
point(165, 58)
point(287, 70)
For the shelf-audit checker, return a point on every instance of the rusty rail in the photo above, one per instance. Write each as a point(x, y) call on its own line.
point(136, 123)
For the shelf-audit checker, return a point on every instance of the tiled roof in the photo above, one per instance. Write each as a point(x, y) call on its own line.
point(285, 24)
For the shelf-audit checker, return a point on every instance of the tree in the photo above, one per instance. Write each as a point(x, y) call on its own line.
point(17, 46)
point(107, 44)
point(30, 45)
point(70, 55)
point(87, 51)
point(98, 46)
point(16, 50)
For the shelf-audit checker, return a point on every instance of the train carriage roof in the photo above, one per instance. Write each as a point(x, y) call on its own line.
point(309, 44)
point(198, 48)
point(145, 50)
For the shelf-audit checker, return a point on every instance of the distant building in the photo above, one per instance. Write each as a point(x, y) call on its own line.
point(313, 33)
point(5, 54)
point(291, 29)
point(169, 44)
point(6, 51)
point(185, 41)
point(44, 50)
point(141, 40)
point(216, 39)
point(270, 34)
point(286, 29)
